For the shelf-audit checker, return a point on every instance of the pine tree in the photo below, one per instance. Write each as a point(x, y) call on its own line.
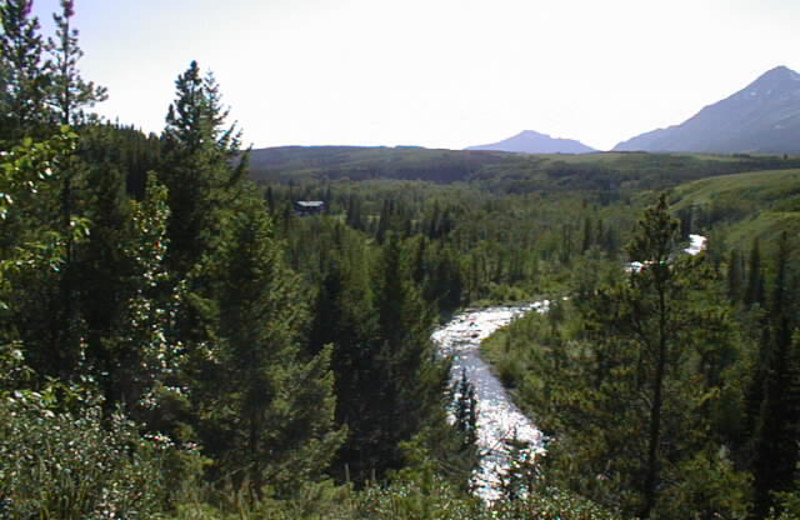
point(197, 170)
point(24, 78)
point(658, 353)
point(654, 245)
point(345, 318)
point(778, 423)
point(69, 94)
point(410, 379)
point(735, 276)
point(754, 291)
point(466, 412)
point(273, 419)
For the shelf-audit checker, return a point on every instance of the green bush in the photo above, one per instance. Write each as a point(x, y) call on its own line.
point(548, 503)
point(57, 463)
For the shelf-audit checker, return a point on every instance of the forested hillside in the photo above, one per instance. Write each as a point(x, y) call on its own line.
point(180, 341)
point(501, 172)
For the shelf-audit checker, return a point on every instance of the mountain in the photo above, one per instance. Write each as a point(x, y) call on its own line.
point(529, 141)
point(764, 117)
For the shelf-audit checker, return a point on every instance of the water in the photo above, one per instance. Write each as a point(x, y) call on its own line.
point(498, 417)
point(697, 243)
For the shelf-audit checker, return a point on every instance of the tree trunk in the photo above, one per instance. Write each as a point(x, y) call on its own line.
point(256, 483)
point(654, 437)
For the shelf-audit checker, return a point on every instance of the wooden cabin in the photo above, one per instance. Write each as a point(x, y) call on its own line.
point(305, 208)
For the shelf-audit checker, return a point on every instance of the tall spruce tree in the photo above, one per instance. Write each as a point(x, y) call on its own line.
point(410, 380)
point(261, 405)
point(197, 167)
point(69, 94)
point(754, 291)
point(203, 185)
point(270, 416)
point(24, 77)
point(654, 245)
point(66, 96)
point(345, 318)
point(778, 378)
point(657, 361)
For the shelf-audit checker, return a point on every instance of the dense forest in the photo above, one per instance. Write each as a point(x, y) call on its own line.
point(179, 341)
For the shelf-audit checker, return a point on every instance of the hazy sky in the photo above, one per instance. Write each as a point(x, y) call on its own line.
point(435, 73)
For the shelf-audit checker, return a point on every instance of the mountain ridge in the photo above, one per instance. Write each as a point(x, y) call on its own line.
point(532, 142)
point(763, 117)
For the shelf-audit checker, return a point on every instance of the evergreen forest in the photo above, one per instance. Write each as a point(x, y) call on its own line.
point(178, 340)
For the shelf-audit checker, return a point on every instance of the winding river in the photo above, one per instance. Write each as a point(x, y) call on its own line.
point(498, 417)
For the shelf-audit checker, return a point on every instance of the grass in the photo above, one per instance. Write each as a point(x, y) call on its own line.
point(766, 187)
point(743, 206)
point(767, 226)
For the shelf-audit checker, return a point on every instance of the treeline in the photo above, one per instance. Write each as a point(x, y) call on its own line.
point(671, 391)
point(359, 164)
point(610, 177)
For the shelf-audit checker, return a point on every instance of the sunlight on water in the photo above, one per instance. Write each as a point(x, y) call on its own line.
point(499, 419)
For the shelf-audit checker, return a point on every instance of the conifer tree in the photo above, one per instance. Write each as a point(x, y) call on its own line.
point(66, 96)
point(654, 245)
point(345, 318)
point(410, 379)
point(659, 350)
point(271, 407)
point(466, 413)
point(69, 94)
point(778, 422)
point(197, 170)
point(754, 291)
point(735, 276)
point(24, 78)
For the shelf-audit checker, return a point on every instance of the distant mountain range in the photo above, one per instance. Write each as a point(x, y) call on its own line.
point(764, 117)
point(529, 141)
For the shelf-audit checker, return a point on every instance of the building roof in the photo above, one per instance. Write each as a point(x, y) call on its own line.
point(310, 204)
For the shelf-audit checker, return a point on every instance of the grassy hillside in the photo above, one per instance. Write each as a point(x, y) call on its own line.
point(743, 206)
point(755, 188)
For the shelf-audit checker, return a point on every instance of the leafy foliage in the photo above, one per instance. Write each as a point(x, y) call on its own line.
point(62, 464)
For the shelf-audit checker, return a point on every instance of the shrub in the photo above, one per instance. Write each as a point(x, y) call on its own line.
point(71, 464)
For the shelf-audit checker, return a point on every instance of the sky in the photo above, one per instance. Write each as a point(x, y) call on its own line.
point(433, 73)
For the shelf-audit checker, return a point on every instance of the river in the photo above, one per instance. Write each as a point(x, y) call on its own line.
point(498, 417)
